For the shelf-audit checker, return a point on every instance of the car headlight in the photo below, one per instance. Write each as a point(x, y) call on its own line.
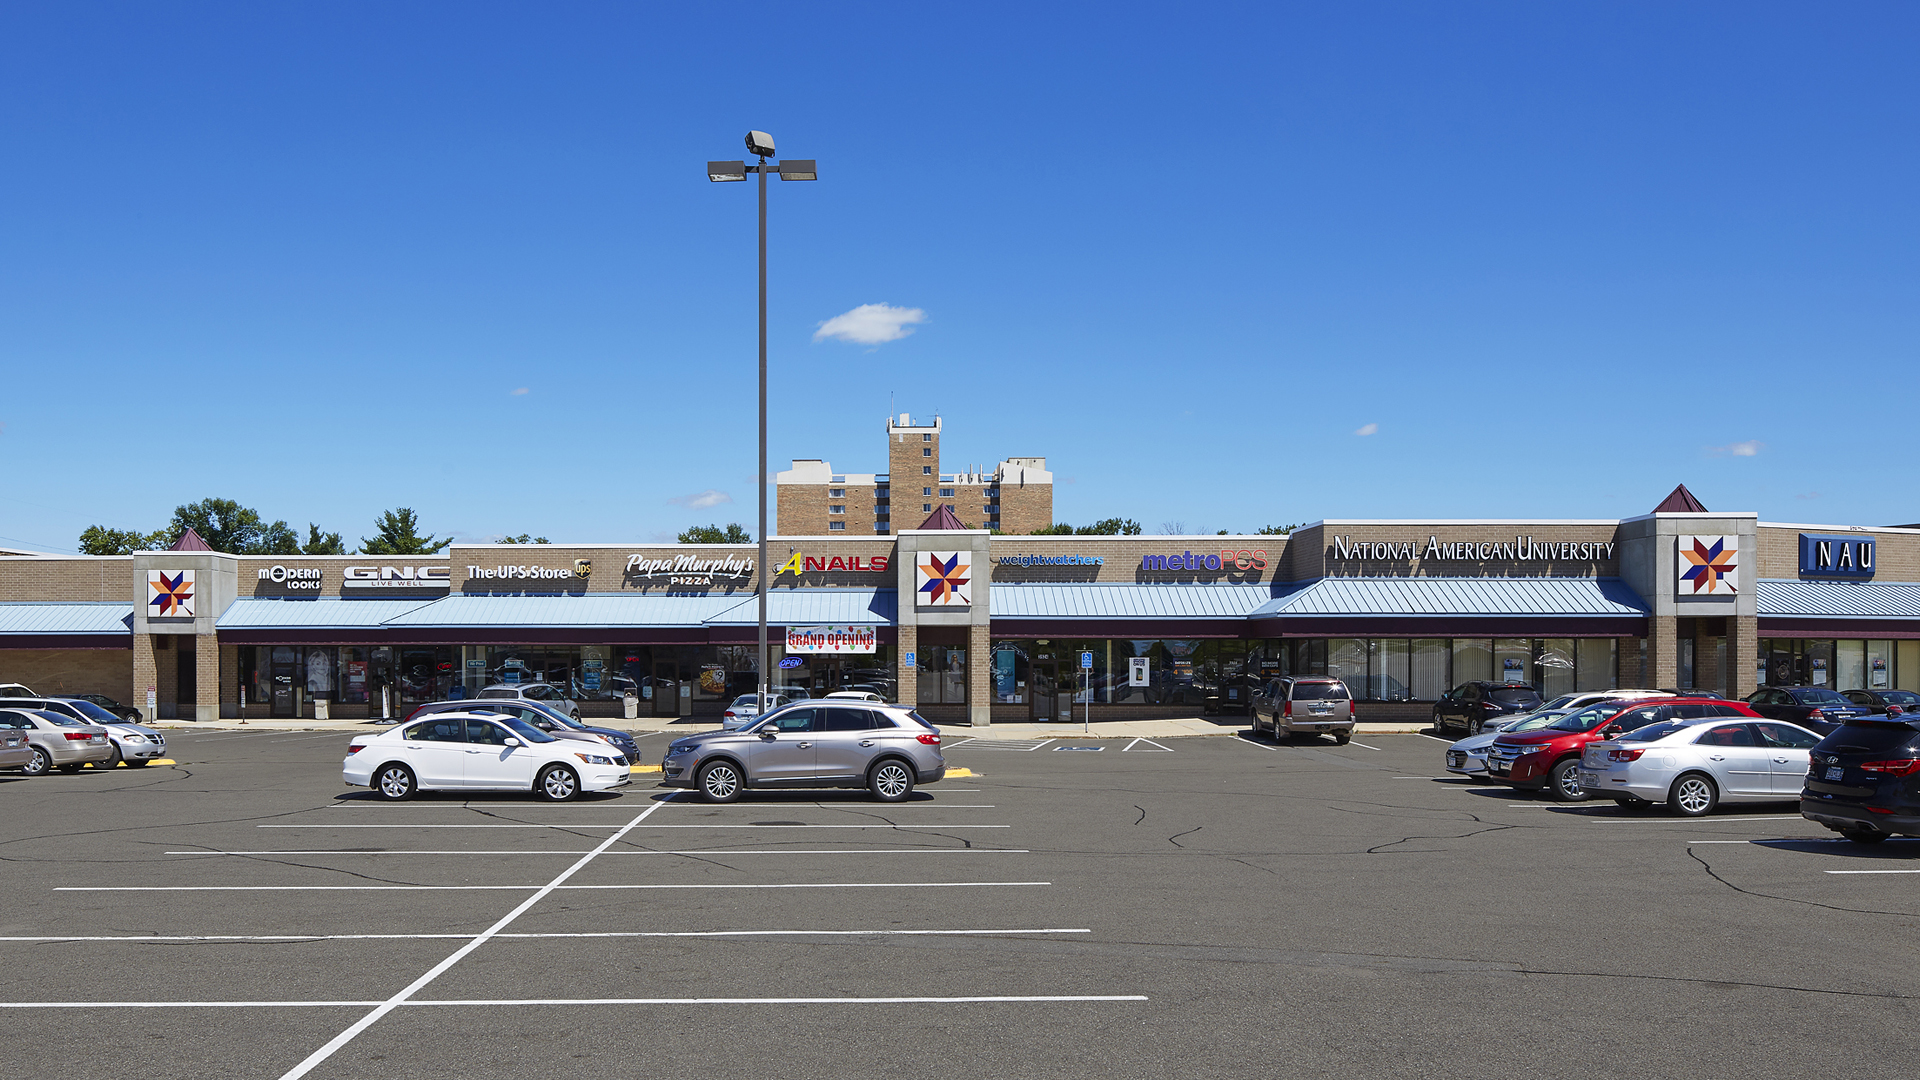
point(595, 759)
point(677, 749)
point(134, 738)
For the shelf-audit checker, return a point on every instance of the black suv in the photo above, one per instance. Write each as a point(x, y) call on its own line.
point(1863, 780)
point(1815, 708)
point(1472, 705)
point(1877, 701)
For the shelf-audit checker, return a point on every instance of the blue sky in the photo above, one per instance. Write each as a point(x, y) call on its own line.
point(331, 259)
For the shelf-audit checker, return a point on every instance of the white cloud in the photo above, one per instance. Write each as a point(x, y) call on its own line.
point(522, 392)
point(1749, 448)
point(702, 500)
point(871, 324)
point(1808, 495)
point(1366, 429)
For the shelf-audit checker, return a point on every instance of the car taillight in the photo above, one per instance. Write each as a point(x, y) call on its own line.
point(929, 738)
point(1896, 767)
point(1289, 708)
point(77, 736)
point(1625, 755)
point(1816, 715)
point(354, 749)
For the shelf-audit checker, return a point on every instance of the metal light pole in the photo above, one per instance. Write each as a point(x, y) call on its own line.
point(760, 144)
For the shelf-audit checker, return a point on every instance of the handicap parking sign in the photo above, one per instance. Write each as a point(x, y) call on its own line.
point(1086, 661)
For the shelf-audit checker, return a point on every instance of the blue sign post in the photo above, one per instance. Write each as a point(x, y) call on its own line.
point(1086, 665)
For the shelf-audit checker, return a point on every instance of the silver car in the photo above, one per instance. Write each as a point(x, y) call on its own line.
point(135, 744)
point(57, 741)
point(1695, 765)
point(886, 749)
point(14, 751)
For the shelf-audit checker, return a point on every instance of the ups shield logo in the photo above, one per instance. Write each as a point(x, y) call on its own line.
point(582, 568)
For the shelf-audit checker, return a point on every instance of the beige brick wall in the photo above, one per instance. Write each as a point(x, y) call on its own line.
point(1896, 554)
point(74, 578)
point(1123, 558)
point(73, 671)
point(1025, 508)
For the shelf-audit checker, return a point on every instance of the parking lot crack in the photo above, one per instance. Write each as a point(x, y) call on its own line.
point(1381, 849)
point(1175, 838)
point(1694, 854)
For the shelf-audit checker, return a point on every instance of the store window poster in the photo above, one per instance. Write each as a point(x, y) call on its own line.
point(1818, 675)
point(1879, 673)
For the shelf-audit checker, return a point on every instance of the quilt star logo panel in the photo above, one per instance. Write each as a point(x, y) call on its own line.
point(943, 577)
point(170, 596)
point(1709, 565)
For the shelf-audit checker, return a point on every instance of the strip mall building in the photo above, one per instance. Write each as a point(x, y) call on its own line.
point(978, 628)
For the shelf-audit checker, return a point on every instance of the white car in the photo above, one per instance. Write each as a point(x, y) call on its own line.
point(747, 706)
point(546, 693)
point(479, 752)
point(856, 695)
point(1693, 765)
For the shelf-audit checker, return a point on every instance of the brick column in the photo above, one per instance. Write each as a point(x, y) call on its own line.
point(206, 677)
point(1743, 652)
point(980, 675)
point(907, 679)
point(230, 681)
point(145, 674)
point(1663, 652)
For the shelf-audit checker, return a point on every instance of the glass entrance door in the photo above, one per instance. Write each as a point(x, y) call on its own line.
point(666, 688)
point(1045, 698)
point(284, 705)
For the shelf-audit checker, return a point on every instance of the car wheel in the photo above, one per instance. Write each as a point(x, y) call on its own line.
point(41, 764)
point(1864, 836)
point(720, 782)
point(1438, 726)
point(394, 782)
point(1474, 726)
point(1342, 738)
point(557, 784)
point(890, 781)
point(113, 758)
point(1693, 795)
point(1564, 782)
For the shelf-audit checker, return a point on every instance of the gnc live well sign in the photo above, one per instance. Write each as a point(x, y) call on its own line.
point(832, 639)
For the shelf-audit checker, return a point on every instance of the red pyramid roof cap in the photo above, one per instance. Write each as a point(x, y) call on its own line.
point(1680, 502)
point(190, 541)
point(943, 518)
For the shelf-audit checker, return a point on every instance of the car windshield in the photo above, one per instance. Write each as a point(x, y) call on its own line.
point(922, 721)
point(1319, 691)
point(1586, 718)
point(525, 730)
point(59, 718)
point(1564, 701)
point(1514, 695)
point(499, 694)
point(93, 712)
point(1538, 720)
point(1654, 731)
point(1902, 698)
point(1816, 696)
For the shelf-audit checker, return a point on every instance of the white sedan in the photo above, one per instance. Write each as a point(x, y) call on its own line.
point(1695, 765)
point(479, 752)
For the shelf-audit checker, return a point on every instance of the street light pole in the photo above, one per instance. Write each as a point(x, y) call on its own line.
point(760, 145)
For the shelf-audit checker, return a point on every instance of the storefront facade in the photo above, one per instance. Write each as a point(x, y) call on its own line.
point(974, 627)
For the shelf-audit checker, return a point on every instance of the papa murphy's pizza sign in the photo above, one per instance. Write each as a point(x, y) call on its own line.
point(832, 639)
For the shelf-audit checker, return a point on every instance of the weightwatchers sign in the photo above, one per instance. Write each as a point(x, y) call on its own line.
point(1523, 549)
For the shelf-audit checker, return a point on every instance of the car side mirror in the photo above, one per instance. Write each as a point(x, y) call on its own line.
point(511, 741)
point(543, 725)
point(1613, 731)
point(767, 732)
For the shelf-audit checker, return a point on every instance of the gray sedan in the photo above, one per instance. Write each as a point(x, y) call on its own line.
point(1695, 765)
point(57, 742)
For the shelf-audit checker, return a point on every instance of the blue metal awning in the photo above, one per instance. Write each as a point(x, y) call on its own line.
point(67, 619)
point(818, 607)
point(1502, 597)
point(1838, 599)
point(317, 614)
point(1098, 601)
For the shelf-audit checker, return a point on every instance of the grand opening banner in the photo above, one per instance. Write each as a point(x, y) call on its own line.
point(832, 639)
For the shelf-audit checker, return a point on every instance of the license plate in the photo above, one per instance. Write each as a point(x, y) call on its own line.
point(1321, 711)
point(1836, 772)
point(1590, 779)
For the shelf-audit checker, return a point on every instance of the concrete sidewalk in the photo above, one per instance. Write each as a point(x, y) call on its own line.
point(1105, 729)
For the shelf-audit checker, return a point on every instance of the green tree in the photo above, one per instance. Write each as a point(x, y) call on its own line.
point(399, 535)
point(1059, 528)
point(1277, 530)
point(100, 540)
point(714, 534)
point(227, 526)
point(523, 538)
point(1110, 527)
point(319, 543)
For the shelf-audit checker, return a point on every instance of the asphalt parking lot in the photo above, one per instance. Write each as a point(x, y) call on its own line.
point(1201, 907)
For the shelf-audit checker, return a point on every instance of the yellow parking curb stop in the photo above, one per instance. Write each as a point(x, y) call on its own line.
point(959, 774)
point(150, 761)
point(643, 768)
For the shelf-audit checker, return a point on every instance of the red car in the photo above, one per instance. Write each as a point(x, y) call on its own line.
point(1549, 757)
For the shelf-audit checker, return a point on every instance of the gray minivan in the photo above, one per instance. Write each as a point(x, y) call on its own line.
point(1310, 704)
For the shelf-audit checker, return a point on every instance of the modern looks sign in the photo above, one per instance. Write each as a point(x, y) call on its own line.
point(832, 639)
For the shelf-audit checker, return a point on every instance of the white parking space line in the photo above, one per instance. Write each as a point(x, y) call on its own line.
point(303, 1068)
point(1419, 778)
point(1156, 746)
point(1781, 840)
point(577, 825)
point(1870, 871)
point(544, 889)
point(1017, 747)
point(584, 934)
point(610, 854)
point(1436, 738)
point(1366, 746)
point(319, 1056)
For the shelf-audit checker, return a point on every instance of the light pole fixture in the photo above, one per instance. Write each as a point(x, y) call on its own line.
point(760, 145)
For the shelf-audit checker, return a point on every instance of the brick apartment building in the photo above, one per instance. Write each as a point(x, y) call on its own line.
point(813, 500)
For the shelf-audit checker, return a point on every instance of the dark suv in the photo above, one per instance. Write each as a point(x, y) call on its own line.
point(1879, 701)
point(1472, 705)
point(1815, 708)
point(1863, 780)
point(1315, 704)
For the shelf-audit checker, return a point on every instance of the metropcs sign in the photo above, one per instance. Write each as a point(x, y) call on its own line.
point(1228, 559)
point(1523, 549)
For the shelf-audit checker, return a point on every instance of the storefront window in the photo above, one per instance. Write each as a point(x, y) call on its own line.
point(1819, 663)
point(1513, 660)
point(1347, 661)
point(1906, 669)
point(352, 679)
point(1472, 660)
point(1597, 659)
point(942, 671)
point(1849, 665)
point(1553, 664)
point(1879, 665)
point(1390, 678)
point(1429, 667)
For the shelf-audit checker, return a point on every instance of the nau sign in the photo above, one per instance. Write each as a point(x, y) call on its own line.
point(1839, 557)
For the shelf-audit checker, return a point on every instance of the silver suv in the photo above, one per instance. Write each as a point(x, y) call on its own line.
point(886, 749)
point(1304, 703)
